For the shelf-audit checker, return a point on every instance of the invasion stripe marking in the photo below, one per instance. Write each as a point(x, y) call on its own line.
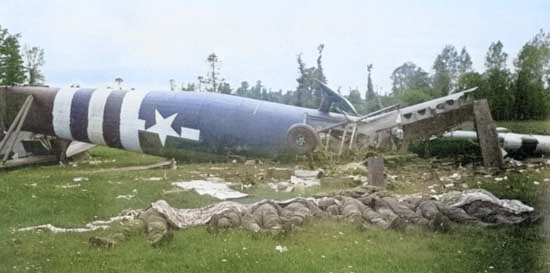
point(61, 113)
point(190, 133)
point(79, 114)
point(111, 119)
point(95, 115)
point(130, 124)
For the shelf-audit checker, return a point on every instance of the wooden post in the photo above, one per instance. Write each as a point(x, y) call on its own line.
point(327, 137)
point(375, 167)
point(487, 135)
point(353, 134)
point(343, 140)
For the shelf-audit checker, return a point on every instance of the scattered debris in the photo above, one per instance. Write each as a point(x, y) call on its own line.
point(69, 186)
point(127, 196)
point(353, 166)
point(281, 248)
point(461, 199)
point(95, 225)
point(367, 205)
point(299, 179)
point(213, 186)
point(153, 179)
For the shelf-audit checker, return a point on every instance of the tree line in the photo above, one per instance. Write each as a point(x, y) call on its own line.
point(521, 93)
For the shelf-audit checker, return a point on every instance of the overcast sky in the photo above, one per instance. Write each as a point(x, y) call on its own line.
point(147, 42)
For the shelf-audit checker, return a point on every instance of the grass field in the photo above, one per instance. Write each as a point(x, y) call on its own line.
point(73, 195)
point(540, 127)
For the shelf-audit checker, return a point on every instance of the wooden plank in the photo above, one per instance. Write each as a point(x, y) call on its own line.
point(375, 167)
point(440, 123)
point(39, 159)
point(487, 135)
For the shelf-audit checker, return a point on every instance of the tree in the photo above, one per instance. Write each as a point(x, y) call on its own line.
point(409, 77)
point(471, 80)
point(213, 81)
point(257, 91)
point(243, 89)
point(275, 96)
point(448, 66)
point(213, 60)
point(320, 75)
point(497, 86)
point(12, 70)
point(411, 84)
point(119, 81)
point(189, 87)
point(354, 97)
point(496, 58)
point(531, 87)
point(35, 59)
point(308, 92)
point(224, 88)
point(370, 94)
point(464, 64)
point(302, 90)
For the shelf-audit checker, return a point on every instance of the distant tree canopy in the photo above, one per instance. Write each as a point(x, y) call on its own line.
point(448, 67)
point(34, 61)
point(521, 94)
point(308, 93)
point(13, 68)
point(531, 85)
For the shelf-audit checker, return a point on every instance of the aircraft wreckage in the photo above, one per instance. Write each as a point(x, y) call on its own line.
point(516, 145)
point(156, 122)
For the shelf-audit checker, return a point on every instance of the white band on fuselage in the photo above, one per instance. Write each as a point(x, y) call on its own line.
point(96, 111)
point(130, 124)
point(61, 113)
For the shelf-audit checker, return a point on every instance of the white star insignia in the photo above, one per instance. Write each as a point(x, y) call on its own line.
point(163, 127)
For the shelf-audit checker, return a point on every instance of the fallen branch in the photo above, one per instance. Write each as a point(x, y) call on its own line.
point(171, 164)
point(95, 225)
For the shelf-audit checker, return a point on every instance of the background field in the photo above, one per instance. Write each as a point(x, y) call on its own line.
point(78, 193)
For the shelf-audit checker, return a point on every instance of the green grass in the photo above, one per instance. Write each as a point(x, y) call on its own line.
point(537, 127)
point(316, 247)
point(38, 195)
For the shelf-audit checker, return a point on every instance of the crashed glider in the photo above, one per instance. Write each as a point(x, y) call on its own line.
point(153, 122)
point(156, 122)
